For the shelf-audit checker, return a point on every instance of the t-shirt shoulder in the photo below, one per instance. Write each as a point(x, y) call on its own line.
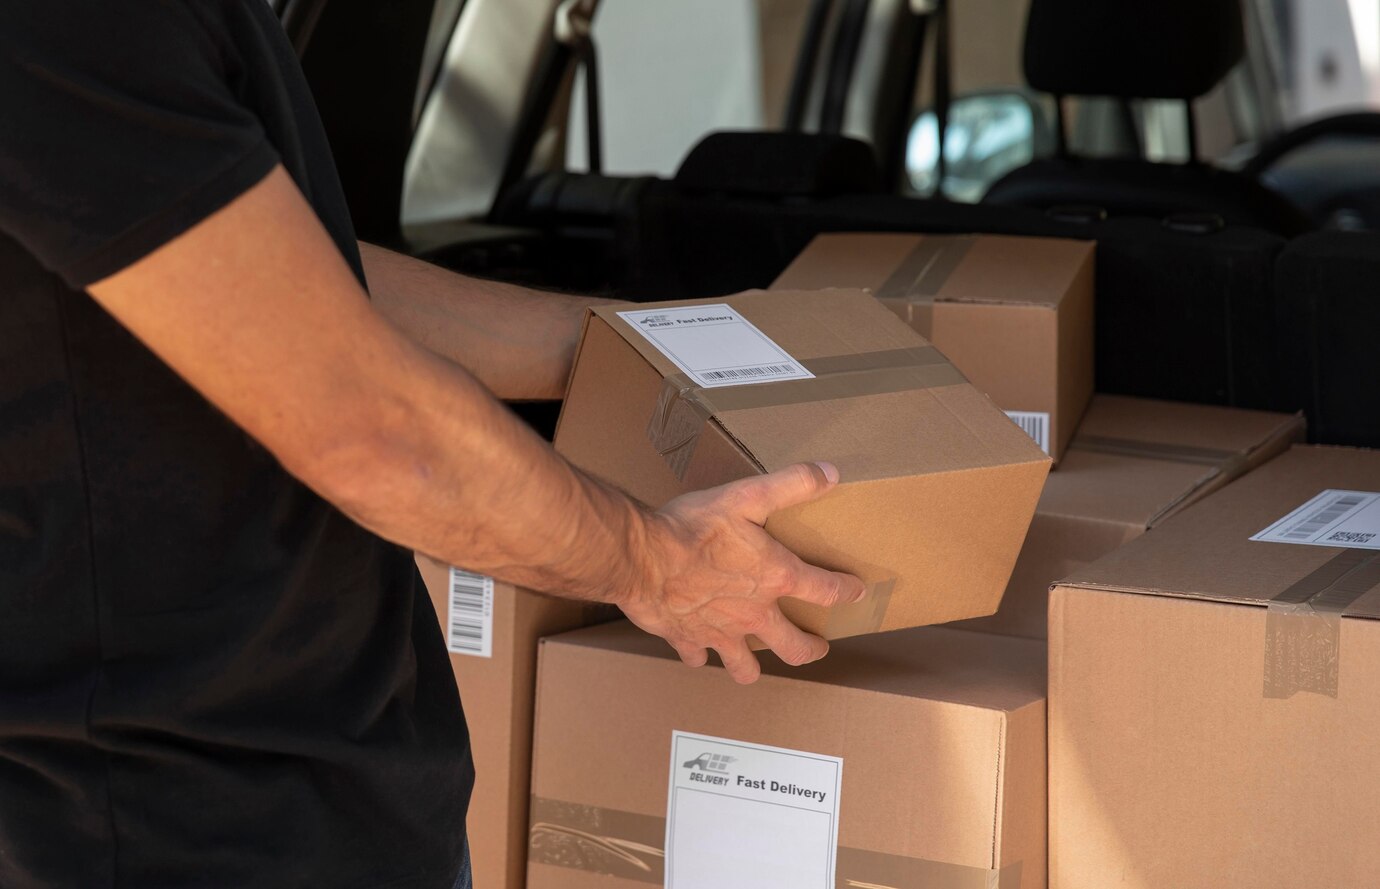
point(120, 134)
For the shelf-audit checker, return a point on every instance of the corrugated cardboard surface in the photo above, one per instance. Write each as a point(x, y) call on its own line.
point(1169, 765)
point(1133, 463)
point(941, 732)
point(940, 466)
point(498, 694)
point(1014, 314)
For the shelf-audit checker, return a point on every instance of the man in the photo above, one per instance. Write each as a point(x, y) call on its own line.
point(214, 671)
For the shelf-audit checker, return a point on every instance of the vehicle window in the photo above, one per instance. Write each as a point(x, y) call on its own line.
point(995, 124)
point(1326, 54)
point(671, 71)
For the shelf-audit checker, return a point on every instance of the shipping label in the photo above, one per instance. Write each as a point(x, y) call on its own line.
point(470, 624)
point(715, 346)
point(741, 814)
point(1333, 518)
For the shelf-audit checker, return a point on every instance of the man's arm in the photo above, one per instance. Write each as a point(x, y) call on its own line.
point(256, 309)
point(520, 343)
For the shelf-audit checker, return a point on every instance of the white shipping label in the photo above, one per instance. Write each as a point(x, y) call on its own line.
point(1333, 518)
point(470, 627)
point(715, 346)
point(741, 814)
point(1035, 424)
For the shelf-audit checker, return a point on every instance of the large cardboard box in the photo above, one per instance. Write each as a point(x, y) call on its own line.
point(938, 487)
point(927, 745)
point(1213, 698)
point(492, 629)
point(1014, 314)
point(1133, 463)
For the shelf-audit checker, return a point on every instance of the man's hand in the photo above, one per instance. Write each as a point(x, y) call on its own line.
point(713, 575)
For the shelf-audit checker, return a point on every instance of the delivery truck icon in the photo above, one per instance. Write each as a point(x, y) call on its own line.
point(710, 762)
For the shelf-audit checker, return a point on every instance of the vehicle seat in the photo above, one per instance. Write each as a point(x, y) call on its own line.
point(1171, 49)
point(1329, 313)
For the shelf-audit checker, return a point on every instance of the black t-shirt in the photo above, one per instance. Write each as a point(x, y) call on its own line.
point(208, 675)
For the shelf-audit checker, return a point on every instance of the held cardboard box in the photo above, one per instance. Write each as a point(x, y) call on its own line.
point(937, 485)
point(1213, 698)
point(498, 690)
point(909, 759)
point(1014, 314)
point(1133, 463)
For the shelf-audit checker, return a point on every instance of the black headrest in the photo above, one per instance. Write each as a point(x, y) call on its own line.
point(1134, 49)
point(780, 165)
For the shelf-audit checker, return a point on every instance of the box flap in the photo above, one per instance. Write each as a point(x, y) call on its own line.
point(1206, 552)
point(932, 663)
point(1176, 451)
point(888, 434)
point(990, 269)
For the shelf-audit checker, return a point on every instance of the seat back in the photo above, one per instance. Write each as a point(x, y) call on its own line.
point(1330, 320)
point(1171, 49)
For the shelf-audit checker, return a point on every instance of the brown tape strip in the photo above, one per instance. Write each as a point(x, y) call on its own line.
point(629, 845)
point(1149, 450)
point(864, 617)
point(683, 408)
point(1303, 626)
point(925, 270)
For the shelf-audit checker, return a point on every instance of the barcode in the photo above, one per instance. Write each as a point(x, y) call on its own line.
point(1035, 424)
point(737, 373)
point(1323, 517)
point(471, 623)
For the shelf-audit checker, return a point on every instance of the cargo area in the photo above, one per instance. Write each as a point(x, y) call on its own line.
point(1082, 300)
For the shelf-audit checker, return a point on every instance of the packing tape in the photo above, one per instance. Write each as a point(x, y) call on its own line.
point(1151, 450)
point(926, 269)
point(1303, 625)
point(920, 277)
point(863, 617)
point(630, 846)
point(683, 408)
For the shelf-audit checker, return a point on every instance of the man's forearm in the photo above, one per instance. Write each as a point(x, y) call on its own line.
point(518, 342)
point(256, 309)
point(454, 474)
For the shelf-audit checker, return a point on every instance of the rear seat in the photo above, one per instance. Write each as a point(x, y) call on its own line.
point(1182, 314)
point(1329, 319)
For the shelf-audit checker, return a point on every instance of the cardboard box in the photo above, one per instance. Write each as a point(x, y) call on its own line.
point(941, 736)
point(1014, 314)
point(498, 693)
point(1213, 699)
point(1134, 463)
point(938, 487)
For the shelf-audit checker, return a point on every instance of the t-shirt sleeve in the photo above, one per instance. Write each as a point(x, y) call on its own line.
point(121, 129)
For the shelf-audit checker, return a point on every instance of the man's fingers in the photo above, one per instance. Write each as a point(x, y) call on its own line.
point(790, 643)
point(827, 588)
point(739, 661)
point(800, 483)
point(691, 655)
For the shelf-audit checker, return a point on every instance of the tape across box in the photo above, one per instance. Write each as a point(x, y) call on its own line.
point(1133, 463)
point(1213, 691)
point(938, 486)
point(908, 759)
point(1015, 315)
point(492, 630)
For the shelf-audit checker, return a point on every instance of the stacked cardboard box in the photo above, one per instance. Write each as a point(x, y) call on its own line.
point(1133, 463)
point(1014, 314)
point(658, 406)
point(909, 759)
point(1213, 691)
point(492, 629)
